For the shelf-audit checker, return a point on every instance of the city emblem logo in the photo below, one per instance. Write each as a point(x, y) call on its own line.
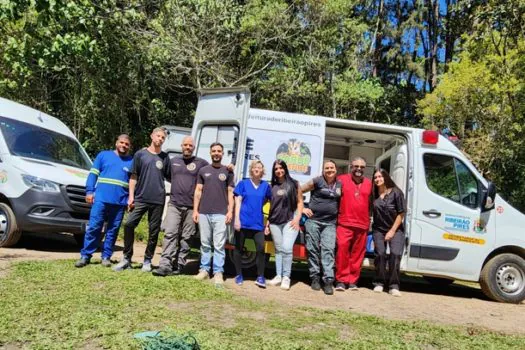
point(280, 192)
point(222, 177)
point(297, 156)
point(191, 166)
point(158, 164)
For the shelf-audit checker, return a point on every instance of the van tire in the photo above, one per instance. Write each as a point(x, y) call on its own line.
point(9, 232)
point(249, 266)
point(503, 278)
point(79, 239)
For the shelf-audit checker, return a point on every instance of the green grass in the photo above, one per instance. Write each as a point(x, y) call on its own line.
point(53, 305)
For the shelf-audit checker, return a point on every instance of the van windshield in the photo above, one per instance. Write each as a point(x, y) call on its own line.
point(31, 141)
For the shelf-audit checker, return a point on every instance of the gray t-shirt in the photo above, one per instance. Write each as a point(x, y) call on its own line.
point(324, 201)
point(215, 181)
point(184, 173)
point(151, 170)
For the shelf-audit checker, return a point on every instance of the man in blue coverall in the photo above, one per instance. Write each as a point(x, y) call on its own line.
point(107, 191)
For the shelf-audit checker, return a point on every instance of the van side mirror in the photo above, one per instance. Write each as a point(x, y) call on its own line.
point(489, 196)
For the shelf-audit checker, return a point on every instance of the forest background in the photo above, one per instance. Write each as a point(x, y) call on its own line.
point(111, 66)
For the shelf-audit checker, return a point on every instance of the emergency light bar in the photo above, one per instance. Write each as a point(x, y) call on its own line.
point(430, 137)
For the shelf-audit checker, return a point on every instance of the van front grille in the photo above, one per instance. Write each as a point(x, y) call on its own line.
point(77, 197)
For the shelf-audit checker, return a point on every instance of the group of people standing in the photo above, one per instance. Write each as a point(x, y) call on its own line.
point(336, 226)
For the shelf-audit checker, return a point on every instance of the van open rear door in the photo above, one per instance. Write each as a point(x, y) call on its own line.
point(222, 116)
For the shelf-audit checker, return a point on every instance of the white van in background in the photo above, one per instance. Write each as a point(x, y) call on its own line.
point(457, 227)
point(43, 172)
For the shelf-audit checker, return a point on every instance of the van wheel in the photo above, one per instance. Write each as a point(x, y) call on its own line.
point(79, 239)
point(249, 267)
point(9, 232)
point(438, 281)
point(503, 278)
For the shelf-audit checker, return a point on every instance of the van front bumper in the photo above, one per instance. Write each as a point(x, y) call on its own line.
point(47, 212)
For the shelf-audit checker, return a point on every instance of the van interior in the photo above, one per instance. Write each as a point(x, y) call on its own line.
point(387, 151)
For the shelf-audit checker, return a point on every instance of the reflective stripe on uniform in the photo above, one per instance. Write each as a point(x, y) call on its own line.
point(94, 171)
point(109, 181)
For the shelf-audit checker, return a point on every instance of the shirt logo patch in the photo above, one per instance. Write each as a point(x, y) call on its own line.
point(176, 164)
point(207, 174)
point(338, 191)
point(280, 192)
point(159, 164)
point(126, 169)
point(222, 177)
point(191, 166)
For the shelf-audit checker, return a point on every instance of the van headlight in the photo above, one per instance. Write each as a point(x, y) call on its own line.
point(40, 184)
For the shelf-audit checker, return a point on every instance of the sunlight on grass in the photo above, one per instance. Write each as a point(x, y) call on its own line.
point(53, 305)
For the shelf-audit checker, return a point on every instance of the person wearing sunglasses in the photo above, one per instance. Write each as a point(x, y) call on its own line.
point(353, 222)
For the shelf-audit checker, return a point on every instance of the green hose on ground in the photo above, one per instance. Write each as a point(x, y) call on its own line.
point(167, 341)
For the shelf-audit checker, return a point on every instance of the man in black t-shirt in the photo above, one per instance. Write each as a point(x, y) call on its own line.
point(213, 210)
point(178, 225)
point(147, 193)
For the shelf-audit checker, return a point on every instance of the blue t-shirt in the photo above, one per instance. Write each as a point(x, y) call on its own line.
point(253, 200)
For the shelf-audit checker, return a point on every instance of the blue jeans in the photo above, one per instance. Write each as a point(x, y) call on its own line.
point(320, 243)
point(212, 229)
point(283, 236)
point(100, 212)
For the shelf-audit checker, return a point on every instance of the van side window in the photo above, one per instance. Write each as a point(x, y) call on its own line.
point(227, 135)
point(450, 178)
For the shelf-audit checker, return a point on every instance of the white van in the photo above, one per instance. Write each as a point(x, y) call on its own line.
point(43, 172)
point(457, 227)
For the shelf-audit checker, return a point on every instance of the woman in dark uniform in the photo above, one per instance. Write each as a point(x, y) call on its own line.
point(388, 229)
point(286, 207)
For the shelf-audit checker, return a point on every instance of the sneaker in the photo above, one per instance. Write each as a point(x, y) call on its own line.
point(105, 262)
point(328, 288)
point(82, 262)
point(146, 266)
point(340, 287)
point(162, 271)
point(217, 278)
point(202, 275)
point(260, 282)
point(352, 287)
point(276, 281)
point(315, 284)
point(285, 283)
point(394, 292)
point(378, 289)
point(239, 280)
point(124, 264)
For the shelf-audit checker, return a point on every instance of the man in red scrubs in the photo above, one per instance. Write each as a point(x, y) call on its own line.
point(352, 225)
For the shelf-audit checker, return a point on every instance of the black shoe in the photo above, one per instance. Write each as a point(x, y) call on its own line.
point(315, 284)
point(328, 288)
point(340, 287)
point(162, 271)
point(105, 263)
point(352, 287)
point(82, 262)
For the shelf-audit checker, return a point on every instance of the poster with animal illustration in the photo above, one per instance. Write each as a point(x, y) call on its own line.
point(296, 139)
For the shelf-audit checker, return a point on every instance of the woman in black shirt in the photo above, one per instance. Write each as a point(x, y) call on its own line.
point(389, 210)
point(286, 207)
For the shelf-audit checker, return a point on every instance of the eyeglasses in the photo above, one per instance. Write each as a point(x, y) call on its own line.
point(358, 166)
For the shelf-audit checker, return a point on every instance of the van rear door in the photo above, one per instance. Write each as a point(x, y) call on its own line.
point(222, 116)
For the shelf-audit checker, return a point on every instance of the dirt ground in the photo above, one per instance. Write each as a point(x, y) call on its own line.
point(455, 305)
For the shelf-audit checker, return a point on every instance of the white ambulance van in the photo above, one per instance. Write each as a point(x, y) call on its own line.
point(43, 172)
point(458, 228)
